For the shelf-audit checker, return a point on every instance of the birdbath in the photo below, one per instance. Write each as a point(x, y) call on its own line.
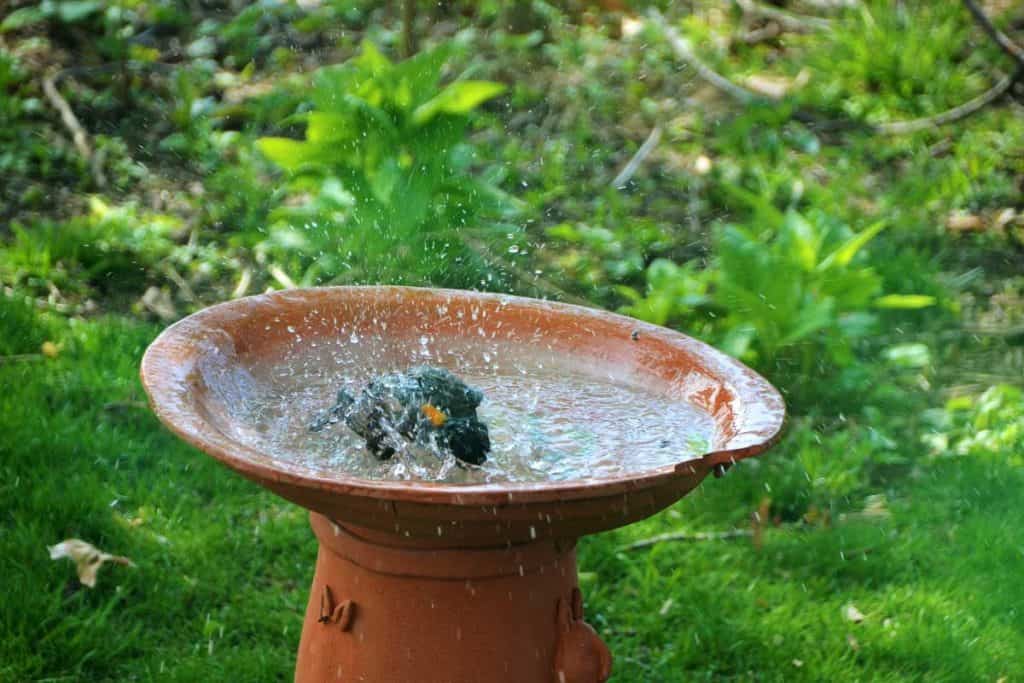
point(473, 577)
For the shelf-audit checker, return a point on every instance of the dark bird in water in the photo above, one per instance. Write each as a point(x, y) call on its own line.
point(426, 406)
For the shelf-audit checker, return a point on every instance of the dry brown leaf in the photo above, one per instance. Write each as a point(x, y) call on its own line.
point(49, 349)
point(1004, 218)
point(631, 26)
point(87, 558)
point(851, 613)
point(237, 94)
point(702, 165)
point(876, 506)
point(964, 222)
point(776, 87)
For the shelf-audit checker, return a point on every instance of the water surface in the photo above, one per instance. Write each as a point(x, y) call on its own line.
point(550, 418)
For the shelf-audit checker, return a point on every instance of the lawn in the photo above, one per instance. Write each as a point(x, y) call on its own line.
point(873, 273)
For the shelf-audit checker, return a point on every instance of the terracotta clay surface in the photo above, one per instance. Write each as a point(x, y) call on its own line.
point(423, 581)
point(435, 615)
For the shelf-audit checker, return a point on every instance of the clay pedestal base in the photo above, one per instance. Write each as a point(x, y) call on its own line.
point(388, 609)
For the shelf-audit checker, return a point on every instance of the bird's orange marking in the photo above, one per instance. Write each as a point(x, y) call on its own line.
point(436, 417)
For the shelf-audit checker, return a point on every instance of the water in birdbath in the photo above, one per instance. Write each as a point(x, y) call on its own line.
point(548, 420)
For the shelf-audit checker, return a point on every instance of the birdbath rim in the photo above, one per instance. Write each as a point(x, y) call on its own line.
point(756, 411)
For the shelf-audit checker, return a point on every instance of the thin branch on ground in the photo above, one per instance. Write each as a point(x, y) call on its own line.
point(958, 113)
point(787, 21)
point(689, 536)
point(78, 135)
point(829, 5)
point(627, 172)
point(281, 277)
point(183, 287)
point(683, 50)
point(769, 31)
point(1003, 40)
point(67, 116)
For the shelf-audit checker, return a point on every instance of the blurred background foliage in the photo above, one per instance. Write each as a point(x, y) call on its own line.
point(776, 178)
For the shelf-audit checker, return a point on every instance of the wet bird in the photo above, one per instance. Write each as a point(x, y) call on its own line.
point(425, 406)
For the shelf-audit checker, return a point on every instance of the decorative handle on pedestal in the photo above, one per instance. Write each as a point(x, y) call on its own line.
point(580, 655)
point(340, 614)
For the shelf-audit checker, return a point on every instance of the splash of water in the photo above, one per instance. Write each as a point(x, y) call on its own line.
point(547, 421)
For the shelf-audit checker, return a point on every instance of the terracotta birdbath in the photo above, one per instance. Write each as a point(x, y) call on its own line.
point(437, 581)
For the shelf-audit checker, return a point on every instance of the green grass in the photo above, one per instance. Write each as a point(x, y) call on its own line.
point(937, 582)
point(879, 399)
point(220, 586)
point(223, 568)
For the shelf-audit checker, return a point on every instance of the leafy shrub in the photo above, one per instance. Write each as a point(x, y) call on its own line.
point(795, 296)
point(879, 66)
point(112, 248)
point(989, 424)
point(381, 188)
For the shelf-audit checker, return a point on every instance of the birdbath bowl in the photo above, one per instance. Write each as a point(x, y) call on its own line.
point(457, 580)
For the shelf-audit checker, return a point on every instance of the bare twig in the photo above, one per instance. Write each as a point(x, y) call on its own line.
point(829, 5)
point(67, 117)
point(243, 284)
point(78, 135)
point(769, 31)
point(788, 21)
point(689, 537)
point(1007, 45)
point(682, 48)
point(630, 168)
point(996, 330)
point(956, 113)
point(282, 277)
point(183, 287)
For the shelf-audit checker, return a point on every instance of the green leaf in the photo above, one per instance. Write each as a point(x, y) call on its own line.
point(738, 340)
point(76, 10)
point(912, 355)
point(384, 179)
point(564, 231)
point(852, 288)
point(762, 207)
point(330, 83)
point(322, 126)
point(372, 59)
point(803, 239)
point(810, 319)
point(460, 97)
point(905, 301)
point(845, 253)
point(627, 292)
point(287, 153)
point(26, 16)
point(421, 73)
